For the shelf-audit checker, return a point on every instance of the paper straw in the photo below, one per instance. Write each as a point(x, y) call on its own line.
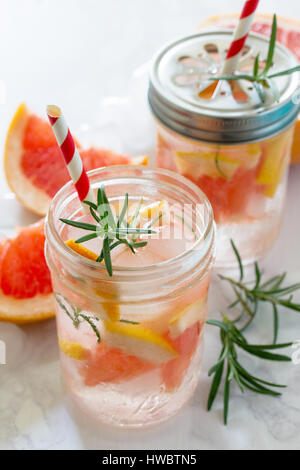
point(233, 54)
point(71, 155)
point(239, 36)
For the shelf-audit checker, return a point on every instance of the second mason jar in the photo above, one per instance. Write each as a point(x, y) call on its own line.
point(224, 138)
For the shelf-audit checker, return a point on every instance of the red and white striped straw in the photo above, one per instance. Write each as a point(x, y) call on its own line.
point(239, 36)
point(71, 155)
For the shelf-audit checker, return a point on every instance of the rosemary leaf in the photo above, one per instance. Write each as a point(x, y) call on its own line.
point(106, 255)
point(275, 323)
point(215, 384)
point(238, 259)
point(86, 238)
point(272, 44)
point(84, 226)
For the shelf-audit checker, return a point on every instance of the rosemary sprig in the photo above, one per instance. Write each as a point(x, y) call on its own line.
point(249, 296)
point(264, 79)
point(111, 230)
point(232, 339)
point(76, 316)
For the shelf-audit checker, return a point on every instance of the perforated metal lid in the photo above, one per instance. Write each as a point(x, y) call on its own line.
point(181, 70)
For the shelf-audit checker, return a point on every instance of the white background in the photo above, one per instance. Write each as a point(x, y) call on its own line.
point(76, 53)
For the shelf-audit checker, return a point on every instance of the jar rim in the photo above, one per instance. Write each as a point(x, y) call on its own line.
point(69, 190)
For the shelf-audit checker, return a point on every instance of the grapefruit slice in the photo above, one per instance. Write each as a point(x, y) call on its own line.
point(34, 167)
point(173, 372)
point(102, 364)
point(25, 284)
point(229, 198)
point(288, 34)
point(110, 365)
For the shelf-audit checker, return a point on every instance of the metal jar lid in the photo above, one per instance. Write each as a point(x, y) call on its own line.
point(182, 69)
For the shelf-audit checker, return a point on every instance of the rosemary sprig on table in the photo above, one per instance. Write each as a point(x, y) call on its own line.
point(233, 339)
point(113, 231)
point(249, 295)
point(263, 79)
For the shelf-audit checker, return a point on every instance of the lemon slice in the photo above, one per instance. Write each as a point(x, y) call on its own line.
point(198, 164)
point(187, 317)
point(271, 189)
point(273, 166)
point(138, 341)
point(250, 155)
point(73, 350)
point(110, 306)
point(156, 213)
point(81, 250)
point(156, 210)
point(204, 163)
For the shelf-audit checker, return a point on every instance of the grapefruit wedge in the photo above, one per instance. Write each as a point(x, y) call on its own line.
point(34, 167)
point(111, 365)
point(288, 34)
point(186, 344)
point(25, 284)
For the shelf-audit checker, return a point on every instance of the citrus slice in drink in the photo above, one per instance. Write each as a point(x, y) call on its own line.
point(102, 364)
point(275, 153)
point(34, 167)
point(135, 340)
point(187, 317)
point(25, 284)
point(81, 250)
point(152, 214)
point(71, 349)
point(229, 198)
point(206, 163)
point(288, 34)
point(173, 372)
point(223, 162)
point(110, 365)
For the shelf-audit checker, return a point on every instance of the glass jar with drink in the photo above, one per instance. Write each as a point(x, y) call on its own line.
point(131, 339)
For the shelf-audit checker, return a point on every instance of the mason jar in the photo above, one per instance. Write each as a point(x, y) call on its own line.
point(144, 362)
point(224, 138)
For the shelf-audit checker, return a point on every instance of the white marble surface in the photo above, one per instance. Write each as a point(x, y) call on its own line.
point(77, 54)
